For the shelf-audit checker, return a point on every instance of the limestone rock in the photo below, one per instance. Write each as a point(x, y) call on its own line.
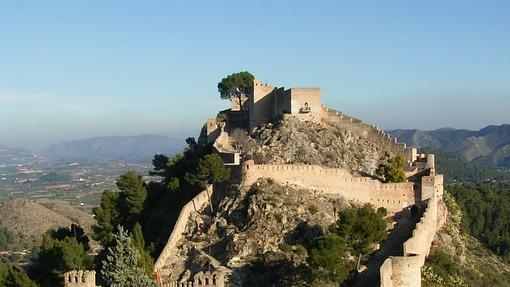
point(293, 141)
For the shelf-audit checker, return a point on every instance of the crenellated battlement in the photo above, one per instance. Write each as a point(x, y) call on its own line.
point(201, 279)
point(80, 278)
point(335, 182)
point(405, 270)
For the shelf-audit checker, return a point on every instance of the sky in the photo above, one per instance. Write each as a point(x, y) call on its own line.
point(77, 69)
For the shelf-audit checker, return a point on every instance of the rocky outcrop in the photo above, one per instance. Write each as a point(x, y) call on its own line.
point(266, 223)
point(293, 140)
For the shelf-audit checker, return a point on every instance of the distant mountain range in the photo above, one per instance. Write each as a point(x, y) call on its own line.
point(130, 148)
point(490, 145)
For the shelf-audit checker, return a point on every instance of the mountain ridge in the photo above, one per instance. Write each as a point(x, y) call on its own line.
point(139, 147)
point(489, 145)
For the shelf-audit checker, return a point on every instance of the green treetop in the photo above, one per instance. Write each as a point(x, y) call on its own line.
point(236, 85)
point(209, 170)
point(392, 170)
point(120, 268)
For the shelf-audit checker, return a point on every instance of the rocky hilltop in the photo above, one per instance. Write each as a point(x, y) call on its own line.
point(293, 141)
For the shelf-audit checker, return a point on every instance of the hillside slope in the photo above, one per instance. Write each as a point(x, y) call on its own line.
point(490, 145)
point(458, 259)
point(28, 220)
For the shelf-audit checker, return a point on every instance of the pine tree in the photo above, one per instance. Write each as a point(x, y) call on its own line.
point(145, 261)
point(60, 253)
point(120, 268)
point(11, 277)
point(209, 170)
point(393, 170)
point(133, 192)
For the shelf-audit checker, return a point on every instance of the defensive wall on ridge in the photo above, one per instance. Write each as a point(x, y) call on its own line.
point(405, 271)
point(336, 182)
point(356, 126)
point(180, 226)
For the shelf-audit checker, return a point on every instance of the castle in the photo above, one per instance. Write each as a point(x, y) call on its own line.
point(265, 103)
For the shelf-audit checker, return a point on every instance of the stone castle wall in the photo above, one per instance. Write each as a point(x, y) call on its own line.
point(356, 126)
point(265, 102)
point(405, 271)
point(310, 97)
point(79, 278)
point(201, 279)
point(335, 182)
point(180, 226)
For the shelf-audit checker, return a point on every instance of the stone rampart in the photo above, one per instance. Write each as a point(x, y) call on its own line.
point(201, 279)
point(180, 226)
point(335, 182)
point(356, 126)
point(79, 278)
point(405, 271)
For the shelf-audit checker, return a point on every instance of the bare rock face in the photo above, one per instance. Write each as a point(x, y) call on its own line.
point(265, 225)
point(296, 141)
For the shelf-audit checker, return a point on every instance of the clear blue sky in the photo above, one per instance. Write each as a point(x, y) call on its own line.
point(76, 69)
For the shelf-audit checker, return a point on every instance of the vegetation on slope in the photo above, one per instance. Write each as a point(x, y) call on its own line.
point(62, 250)
point(486, 214)
point(457, 169)
point(458, 259)
point(27, 221)
point(149, 211)
point(12, 277)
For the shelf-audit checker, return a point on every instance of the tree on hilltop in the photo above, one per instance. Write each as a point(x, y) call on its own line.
point(236, 85)
point(209, 170)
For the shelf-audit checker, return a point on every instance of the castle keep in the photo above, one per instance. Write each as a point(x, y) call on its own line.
point(266, 102)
